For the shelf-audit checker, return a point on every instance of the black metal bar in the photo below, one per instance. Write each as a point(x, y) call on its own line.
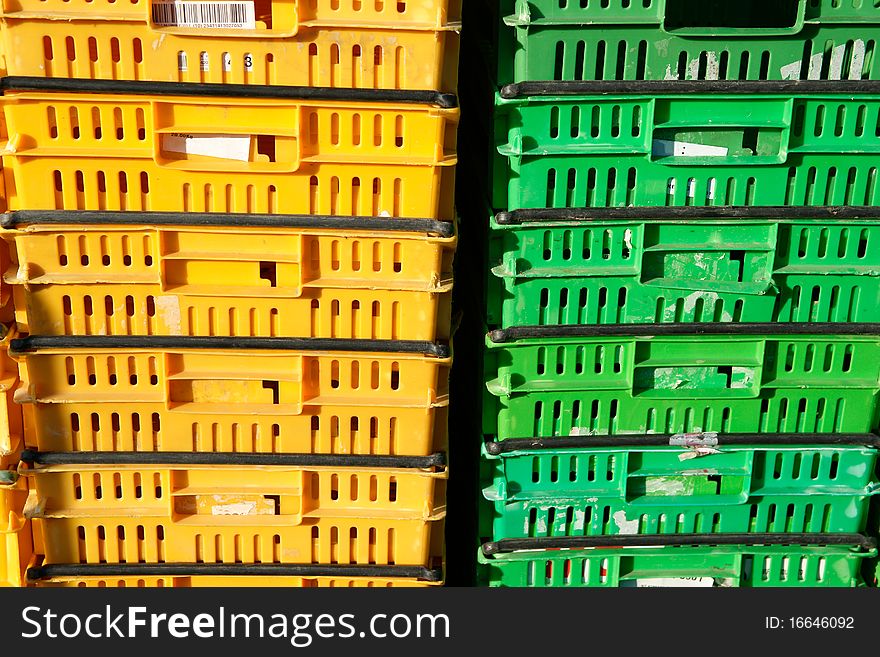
point(498, 447)
point(699, 328)
point(200, 89)
point(36, 343)
point(232, 459)
point(691, 213)
point(87, 217)
point(508, 545)
point(52, 571)
point(679, 87)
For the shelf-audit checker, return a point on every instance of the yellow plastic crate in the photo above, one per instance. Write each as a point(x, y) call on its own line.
point(284, 281)
point(16, 540)
point(328, 406)
point(254, 581)
point(230, 375)
point(91, 151)
point(236, 495)
point(336, 429)
point(319, 43)
point(274, 135)
point(82, 309)
point(11, 416)
point(152, 540)
point(200, 514)
point(275, 18)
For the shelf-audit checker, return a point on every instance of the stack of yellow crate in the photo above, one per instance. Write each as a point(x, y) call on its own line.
point(230, 229)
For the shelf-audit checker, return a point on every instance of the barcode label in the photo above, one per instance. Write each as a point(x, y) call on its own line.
point(220, 14)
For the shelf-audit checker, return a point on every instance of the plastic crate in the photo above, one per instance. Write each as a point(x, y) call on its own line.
point(223, 581)
point(225, 399)
point(154, 540)
point(213, 510)
point(643, 265)
point(690, 560)
point(344, 428)
point(682, 378)
point(11, 416)
point(225, 492)
point(273, 18)
point(572, 145)
point(703, 484)
point(687, 39)
point(410, 45)
point(276, 376)
point(16, 540)
point(16, 549)
point(217, 275)
point(290, 153)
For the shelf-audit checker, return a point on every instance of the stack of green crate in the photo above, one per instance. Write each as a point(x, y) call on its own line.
point(682, 359)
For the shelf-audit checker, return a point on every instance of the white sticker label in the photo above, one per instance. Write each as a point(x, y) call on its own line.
point(182, 64)
point(240, 509)
point(226, 147)
point(204, 61)
point(705, 439)
point(666, 148)
point(249, 62)
point(219, 14)
point(227, 62)
point(675, 582)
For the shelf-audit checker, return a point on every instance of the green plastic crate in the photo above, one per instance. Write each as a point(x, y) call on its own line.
point(644, 265)
point(674, 378)
point(732, 561)
point(568, 145)
point(734, 17)
point(686, 39)
point(633, 488)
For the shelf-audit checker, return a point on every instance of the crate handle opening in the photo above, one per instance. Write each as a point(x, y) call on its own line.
point(719, 145)
point(693, 266)
point(720, 17)
point(697, 382)
point(203, 395)
point(195, 497)
point(692, 486)
point(206, 150)
point(744, 132)
point(191, 274)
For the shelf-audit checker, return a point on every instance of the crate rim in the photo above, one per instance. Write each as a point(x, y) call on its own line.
point(514, 545)
point(36, 343)
point(521, 446)
point(743, 329)
point(50, 571)
point(233, 459)
point(548, 89)
point(21, 219)
point(507, 219)
point(14, 83)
